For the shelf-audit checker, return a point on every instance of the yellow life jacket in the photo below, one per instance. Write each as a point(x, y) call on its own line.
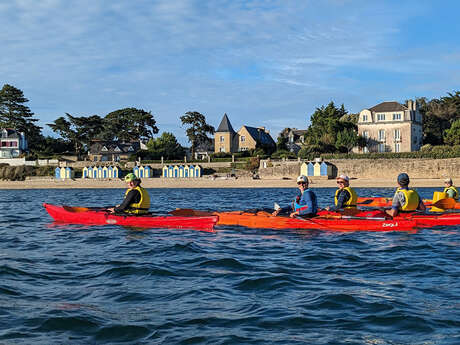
point(351, 202)
point(412, 199)
point(143, 205)
point(454, 189)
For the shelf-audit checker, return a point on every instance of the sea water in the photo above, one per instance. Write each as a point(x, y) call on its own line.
point(75, 284)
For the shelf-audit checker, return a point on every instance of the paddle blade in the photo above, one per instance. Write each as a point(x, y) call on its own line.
point(445, 204)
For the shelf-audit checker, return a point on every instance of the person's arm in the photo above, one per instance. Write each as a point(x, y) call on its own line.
point(450, 193)
point(132, 197)
point(341, 200)
point(395, 205)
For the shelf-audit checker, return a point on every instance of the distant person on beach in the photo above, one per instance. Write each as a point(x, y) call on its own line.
point(137, 199)
point(450, 190)
point(405, 199)
point(345, 196)
point(304, 205)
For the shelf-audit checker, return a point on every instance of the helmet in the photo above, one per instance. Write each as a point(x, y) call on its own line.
point(448, 180)
point(130, 177)
point(302, 178)
point(403, 179)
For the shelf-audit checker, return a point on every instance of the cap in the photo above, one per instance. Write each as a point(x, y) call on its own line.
point(448, 180)
point(403, 179)
point(302, 178)
point(130, 177)
point(343, 177)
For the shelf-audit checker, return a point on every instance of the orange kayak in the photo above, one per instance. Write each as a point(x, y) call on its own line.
point(333, 221)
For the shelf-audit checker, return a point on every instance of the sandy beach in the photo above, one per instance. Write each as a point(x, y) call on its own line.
point(206, 182)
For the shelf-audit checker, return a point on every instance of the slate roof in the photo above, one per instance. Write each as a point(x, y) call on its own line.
point(259, 135)
point(386, 107)
point(10, 133)
point(97, 147)
point(225, 125)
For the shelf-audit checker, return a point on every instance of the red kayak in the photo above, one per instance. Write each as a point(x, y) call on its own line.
point(88, 216)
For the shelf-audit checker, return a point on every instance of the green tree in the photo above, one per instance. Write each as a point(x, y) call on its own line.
point(15, 114)
point(452, 135)
point(346, 140)
point(165, 146)
point(198, 129)
point(78, 130)
point(129, 124)
point(326, 123)
point(281, 143)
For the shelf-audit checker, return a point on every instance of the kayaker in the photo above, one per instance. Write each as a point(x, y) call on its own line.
point(345, 196)
point(450, 190)
point(304, 205)
point(137, 199)
point(405, 199)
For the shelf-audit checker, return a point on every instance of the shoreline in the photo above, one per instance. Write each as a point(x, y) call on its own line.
point(51, 183)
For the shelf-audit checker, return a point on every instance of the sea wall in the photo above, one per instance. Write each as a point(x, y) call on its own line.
point(373, 168)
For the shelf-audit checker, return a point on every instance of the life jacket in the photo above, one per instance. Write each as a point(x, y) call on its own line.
point(352, 200)
point(143, 205)
point(412, 199)
point(454, 189)
point(297, 207)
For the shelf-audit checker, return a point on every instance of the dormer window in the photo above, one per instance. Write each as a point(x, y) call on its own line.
point(396, 116)
point(104, 148)
point(130, 149)
point(117, 149)
point(364, 118)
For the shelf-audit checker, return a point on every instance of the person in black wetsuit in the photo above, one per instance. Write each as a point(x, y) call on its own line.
point(137, 199)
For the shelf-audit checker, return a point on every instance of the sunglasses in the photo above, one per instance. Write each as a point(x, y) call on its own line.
point(299, 183)
point(340, 182)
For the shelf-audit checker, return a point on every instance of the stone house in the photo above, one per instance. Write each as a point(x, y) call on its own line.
point(247, 138)
point(112, 151)
point(391, 127)
point(12, 143)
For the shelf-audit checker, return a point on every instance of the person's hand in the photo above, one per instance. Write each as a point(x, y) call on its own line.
point(293, 214)
point(111, 209)
point(327, 208)
point(275, 213)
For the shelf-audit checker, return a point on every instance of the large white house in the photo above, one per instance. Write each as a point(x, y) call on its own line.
point(12, 143)
point(391, 127)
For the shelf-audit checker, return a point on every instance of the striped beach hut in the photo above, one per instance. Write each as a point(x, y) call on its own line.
point(147, 171)
point(198, 171)
point(136, 171)
point(99, 172)
point(186, 171)
point(67, 172)
point(114, 172)
point(165, 171)
point(57, 173)
point(191, 171)
point(181, 171)
point(176, 171)
point(105, 172)
point(87, 172)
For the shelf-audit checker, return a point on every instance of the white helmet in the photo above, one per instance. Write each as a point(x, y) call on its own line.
point(302, 178)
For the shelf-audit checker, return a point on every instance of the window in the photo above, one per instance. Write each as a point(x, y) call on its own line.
point(366, 134)
point(364, 118)
point(397, 147)
point(380, 117)
point(222, 139)
point(397, 134)
point(381, 147)
point(396, 116)
point(14, 144)
point(243, 138)
point(381, 134)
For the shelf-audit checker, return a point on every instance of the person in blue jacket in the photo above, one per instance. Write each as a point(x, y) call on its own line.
point(304, 205)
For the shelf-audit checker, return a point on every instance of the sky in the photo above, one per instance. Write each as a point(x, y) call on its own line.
point(265, 63)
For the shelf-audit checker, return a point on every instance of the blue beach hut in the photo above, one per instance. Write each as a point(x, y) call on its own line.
point(57, 173)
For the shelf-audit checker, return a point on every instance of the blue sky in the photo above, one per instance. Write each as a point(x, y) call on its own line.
point(264, 63)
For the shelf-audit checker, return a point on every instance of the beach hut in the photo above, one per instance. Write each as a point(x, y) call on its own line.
point(165, 171)
point(175, 171)
point(57, 173)
point(317, 169)
point(148, 172)
point(191, 171)
point(116, 172)
point(99, 172)
point(171, 171)
point(181, 171)
point(84, 172)
point(186, 171)
point(105, 172)
point(326, 169)
point(136, 171)
point(197, 171)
